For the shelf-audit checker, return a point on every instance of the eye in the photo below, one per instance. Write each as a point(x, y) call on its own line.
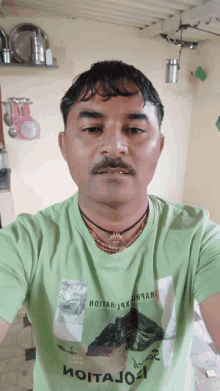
point(91, 129)
point(96, 129)
point(135, 130)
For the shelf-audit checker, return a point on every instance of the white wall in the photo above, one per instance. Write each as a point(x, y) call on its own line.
point(40, 177)
point(202, 185)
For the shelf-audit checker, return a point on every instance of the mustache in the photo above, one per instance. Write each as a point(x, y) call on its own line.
point(108, 162)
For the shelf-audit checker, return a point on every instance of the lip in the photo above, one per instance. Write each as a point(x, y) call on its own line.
point(113, 175)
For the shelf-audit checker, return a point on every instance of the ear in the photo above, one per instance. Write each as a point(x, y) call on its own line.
point(62, 144)
point(162, 142)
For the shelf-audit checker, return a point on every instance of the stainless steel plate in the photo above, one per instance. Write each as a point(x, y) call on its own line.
point(3, 39)
point(20, 43)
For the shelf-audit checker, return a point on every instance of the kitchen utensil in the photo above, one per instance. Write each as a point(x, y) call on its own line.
point(3, 39)
point(20, 42)
point(37, 48)
point(12, 130)
point(49, 58)
point(16, 115)
point(7, 115)
point(6, 56)
point(29, 129)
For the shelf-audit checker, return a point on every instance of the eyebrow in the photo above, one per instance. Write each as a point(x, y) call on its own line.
point(99, 115)
point(90, 114)
point(140, 116)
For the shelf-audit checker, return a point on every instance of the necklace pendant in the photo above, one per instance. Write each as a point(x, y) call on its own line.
point(116, 238)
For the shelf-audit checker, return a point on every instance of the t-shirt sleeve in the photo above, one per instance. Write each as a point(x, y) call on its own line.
point(207, 278)
point(17, 255)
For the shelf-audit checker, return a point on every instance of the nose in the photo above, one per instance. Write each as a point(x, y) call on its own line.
point(113, 142)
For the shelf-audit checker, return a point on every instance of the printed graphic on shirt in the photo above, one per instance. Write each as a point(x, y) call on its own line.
point(107, 355)
point(108, 352)
point(165, 289)
point(134, 330)
point(71, 308)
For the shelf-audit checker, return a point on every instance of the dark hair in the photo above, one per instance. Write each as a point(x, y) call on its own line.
point(108, 74)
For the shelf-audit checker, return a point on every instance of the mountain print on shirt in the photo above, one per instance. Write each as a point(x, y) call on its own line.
point(135, 330)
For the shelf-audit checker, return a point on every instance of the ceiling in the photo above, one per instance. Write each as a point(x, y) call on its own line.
point(150, 17)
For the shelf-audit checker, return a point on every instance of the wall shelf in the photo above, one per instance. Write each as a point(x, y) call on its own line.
point(28, 65)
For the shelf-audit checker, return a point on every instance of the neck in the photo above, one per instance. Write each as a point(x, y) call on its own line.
point(113, 217)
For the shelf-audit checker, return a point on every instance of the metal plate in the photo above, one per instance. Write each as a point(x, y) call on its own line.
point(20, 43)
point(3, 39)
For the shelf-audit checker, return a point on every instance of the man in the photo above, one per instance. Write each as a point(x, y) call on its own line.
point(109, 276)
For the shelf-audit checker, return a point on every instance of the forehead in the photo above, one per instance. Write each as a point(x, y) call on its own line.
point(115, 106)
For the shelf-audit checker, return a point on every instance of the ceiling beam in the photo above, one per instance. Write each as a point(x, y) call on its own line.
point(192, 16)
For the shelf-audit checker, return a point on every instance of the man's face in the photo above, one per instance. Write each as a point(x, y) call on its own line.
point(118, 132)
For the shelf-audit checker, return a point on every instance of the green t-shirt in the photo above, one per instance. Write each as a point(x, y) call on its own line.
point(110, 322)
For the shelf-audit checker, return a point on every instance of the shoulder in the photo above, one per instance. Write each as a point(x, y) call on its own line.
point(177, 214)
point(42, 221)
